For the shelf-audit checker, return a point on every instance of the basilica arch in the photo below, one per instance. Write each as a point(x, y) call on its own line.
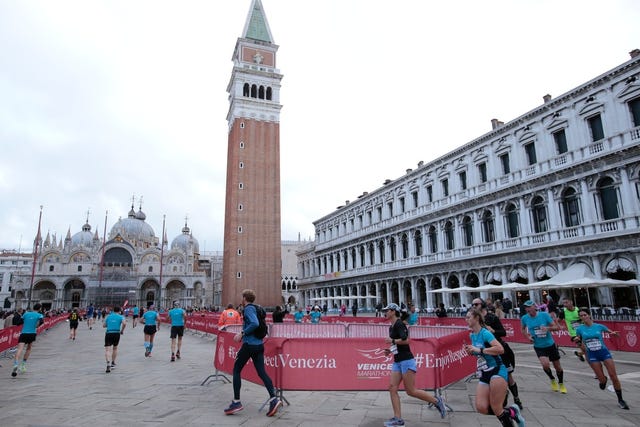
point(74, 292)
point(149, 293)
point(44, 292)
point(175, 291)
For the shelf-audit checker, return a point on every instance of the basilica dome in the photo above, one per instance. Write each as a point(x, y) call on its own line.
point(134, 229)
point(84, 237)
point(186, 241)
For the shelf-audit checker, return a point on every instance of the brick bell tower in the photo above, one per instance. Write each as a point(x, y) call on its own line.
point(252, 237)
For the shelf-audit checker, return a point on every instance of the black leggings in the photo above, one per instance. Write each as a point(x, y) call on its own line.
point(255, 353)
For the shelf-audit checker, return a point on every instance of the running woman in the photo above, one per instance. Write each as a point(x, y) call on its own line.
point(493, 324)
point(31, 320)
point(537, 327)
point(151, 326)
point(74, 318)
point(178, 317)
point(491, 372)
point(115, 323)
point(404, 367)
point(598, 354)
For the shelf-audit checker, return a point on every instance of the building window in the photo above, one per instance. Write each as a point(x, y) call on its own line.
point(150, 269)
point(360, 224)
point(504, 160)
point(239, 251)
point(448, 235)
point(390, 209)
point(239, 229)
point(241, 144)
point(415, 199)
point(242, 125)
point(79, 268)
point(530, 150)
point(595, 126)
point(369, 218)
point(634, 108)
point(467, 229)
point(352, 224)
point(463, 180)
point(560, 138)
point(240, 207)
point(392, 249)
point(379, 212)
point(433, 239)
point(381, 250)
point(571, 208)
point(429, 194)
point(445, 187)
point(401, 201)
point(51, 268)
point(372, 253)
point(240, 186)
point(238, 275)
point(608, 199)
point(362, 252)
point(241, 165)
point(353, 258)
point(418, 242)
point(405, 246)
point(488, 227)
point(482, 172)
point(512, 221)
point(539, 215)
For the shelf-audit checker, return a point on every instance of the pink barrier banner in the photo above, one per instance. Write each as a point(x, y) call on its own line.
point(307, 330)
point(9, 336)
point(355, 364)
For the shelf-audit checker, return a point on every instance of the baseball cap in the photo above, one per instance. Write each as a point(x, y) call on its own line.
point(529, 303)
point(392, 306)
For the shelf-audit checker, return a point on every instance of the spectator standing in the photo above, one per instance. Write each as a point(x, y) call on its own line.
point(441, 311)
point(230, 316)
point(354, 309)
point(252, 348)
point(299, 315)
point(278, 315)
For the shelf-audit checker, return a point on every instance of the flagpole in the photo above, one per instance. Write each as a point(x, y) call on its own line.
point(161, 253)
point(35, 258)
point(104, 243)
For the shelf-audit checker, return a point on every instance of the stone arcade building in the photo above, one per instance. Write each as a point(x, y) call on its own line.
point(554, 188)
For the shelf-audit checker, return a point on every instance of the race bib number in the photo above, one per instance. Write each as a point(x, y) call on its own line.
point(481, 366)
point(540, 333)
point(593, 344)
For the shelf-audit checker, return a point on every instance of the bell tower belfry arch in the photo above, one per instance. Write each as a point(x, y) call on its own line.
point(252, 229)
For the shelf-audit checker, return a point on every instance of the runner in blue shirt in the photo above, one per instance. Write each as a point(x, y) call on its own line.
point(598, 354)
point(299, 315)
point(90, 315)
point(31, 320)
point(491, 372)
point(151, 326)
point(537, 326)
point(136, 314)
point(178, 317)
point(115, 323)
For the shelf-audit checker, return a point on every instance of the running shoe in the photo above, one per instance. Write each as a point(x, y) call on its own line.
point(579, 355)
point(563, 389)
point(395, 421)
point(622, 404)
point(518, 402)
point(274, 404)
point(173, 358)
point(442, 408)
point(517, 416)
point(233, 408)
point(178, 354)
point(14, 372)
point(108, 368)
point(554, 385)
point(23, 368)
point(603, 385)
point(146, 352)
point(113, 365)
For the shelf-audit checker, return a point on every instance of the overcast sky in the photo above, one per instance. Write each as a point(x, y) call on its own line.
point(104, 100)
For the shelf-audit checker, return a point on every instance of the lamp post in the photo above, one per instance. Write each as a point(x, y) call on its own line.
point(36, 243)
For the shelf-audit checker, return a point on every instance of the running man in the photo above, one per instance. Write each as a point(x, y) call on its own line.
point(74, 318)
point(537, 327)
point(91, 313)
point(151, 326)
point(572, 319)
point(178, 317)
point(31, 320)
point(404, 367)
point(136, 314)
point(115, 323)
point(252, 348)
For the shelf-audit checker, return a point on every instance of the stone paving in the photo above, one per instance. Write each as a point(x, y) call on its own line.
point(66, 385)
